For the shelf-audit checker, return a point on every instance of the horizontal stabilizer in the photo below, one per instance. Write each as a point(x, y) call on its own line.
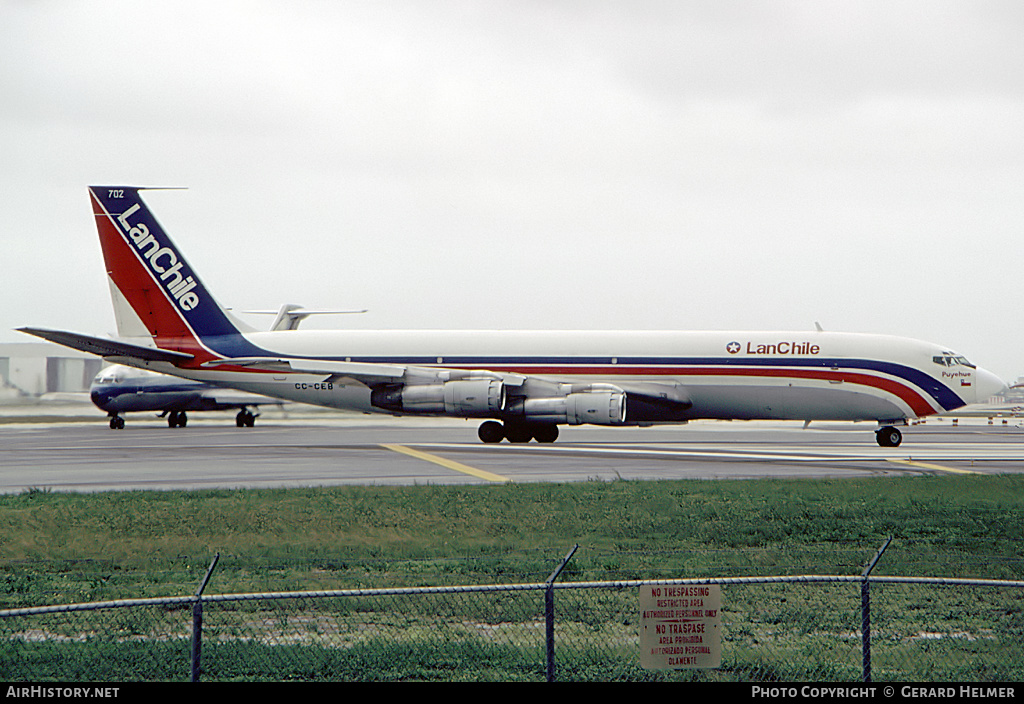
point(105, 347)
point(290, 315)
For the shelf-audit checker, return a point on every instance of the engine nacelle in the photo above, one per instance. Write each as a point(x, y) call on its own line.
point(600, 406)
point(463, 398)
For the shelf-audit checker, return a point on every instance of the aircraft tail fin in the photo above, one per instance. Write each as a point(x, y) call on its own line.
point(154, 290)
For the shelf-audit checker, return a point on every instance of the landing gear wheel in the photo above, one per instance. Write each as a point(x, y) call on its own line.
point(177, 419)
point(518, 433)
point(889, 436)
point(545, 433)
point(491, 432)
point(116, 423)
point(245, 419)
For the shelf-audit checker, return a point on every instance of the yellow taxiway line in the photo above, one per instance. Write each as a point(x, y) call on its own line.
point(937, 467)
point(449, 464)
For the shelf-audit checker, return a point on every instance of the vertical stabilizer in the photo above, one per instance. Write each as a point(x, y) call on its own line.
point(154, 290)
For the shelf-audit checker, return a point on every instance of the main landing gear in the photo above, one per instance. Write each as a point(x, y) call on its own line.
point(492, 431)
point(889, 436)
point(245, 418)
point(179, 419)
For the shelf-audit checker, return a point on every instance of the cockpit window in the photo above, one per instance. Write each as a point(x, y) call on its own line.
point(948, 359)
point(111, 375)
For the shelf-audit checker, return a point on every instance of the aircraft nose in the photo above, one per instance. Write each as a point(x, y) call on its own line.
point(99, 398)
point(988, 385)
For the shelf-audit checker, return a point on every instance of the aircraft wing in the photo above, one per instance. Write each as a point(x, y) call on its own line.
point(105, 347)
point(364, 372)
point(667, 396)
point(397, 386)
point(360, 371)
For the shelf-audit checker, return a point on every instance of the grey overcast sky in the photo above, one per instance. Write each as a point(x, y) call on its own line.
point(526, 164)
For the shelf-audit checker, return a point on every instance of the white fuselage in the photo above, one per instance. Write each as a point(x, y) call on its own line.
point(727, 375)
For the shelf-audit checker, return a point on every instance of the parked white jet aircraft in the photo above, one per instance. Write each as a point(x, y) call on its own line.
point(523, 383)
point(119, 389)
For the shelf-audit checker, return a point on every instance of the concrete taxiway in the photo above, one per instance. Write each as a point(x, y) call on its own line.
point(330, 450)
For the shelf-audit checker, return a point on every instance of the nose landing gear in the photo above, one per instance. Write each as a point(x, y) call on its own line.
point(889, 436)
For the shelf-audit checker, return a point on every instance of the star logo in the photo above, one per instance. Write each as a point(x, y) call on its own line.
point(733, 347)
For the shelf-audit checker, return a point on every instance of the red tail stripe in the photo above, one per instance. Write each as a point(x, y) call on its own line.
point(136, 284)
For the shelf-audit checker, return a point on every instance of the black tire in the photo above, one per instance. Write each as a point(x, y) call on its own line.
point(518, 433)
point(545, 433)
point(491, 432)
point(889, 437)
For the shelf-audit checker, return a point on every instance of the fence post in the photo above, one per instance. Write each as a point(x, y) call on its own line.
point(197, 621)
point(549, 613)
point(865, 613)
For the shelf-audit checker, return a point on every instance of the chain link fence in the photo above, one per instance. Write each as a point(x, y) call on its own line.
point(773, 629)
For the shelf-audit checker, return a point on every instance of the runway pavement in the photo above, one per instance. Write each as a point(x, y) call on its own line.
point(323, 449)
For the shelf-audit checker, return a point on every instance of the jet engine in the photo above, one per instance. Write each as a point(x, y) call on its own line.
point(600, 404)
point(463, 398)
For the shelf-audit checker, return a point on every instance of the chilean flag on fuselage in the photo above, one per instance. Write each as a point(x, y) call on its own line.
point(158, 282)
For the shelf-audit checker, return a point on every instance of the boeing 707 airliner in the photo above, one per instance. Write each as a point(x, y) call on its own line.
point(522, 384)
